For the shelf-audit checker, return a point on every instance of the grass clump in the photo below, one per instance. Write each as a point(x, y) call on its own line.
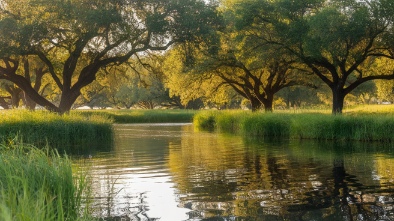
point(226, 121)
point(42, 127)
point(268, 126)
point(205, 120)
point(360, 127)
point(246, 123)
point(39, 185)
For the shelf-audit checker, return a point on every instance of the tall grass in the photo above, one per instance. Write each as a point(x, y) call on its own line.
point(268, 126)
point(42, 127)
point(361, 127)
point(143, 116)
point(346, 127)
point(39, 185)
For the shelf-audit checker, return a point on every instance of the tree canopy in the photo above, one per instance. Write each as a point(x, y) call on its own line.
point(337, 40)
point(75, 39)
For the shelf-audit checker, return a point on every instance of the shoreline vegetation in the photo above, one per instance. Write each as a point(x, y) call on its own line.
point(143, 116)
point(39, 184)
point(87, 128)
point(65, 132)
point(355, 125)
point(79, 129)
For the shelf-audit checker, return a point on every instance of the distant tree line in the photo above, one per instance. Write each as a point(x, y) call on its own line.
point(258, 54)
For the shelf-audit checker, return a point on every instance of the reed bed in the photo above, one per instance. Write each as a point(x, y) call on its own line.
point(143, 116)
point(39, 185)
point(360, 127)
point(67, 131)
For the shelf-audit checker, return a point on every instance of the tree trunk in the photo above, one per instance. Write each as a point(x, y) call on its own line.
point(67, 100)
point(29, 103)
point(16, 97)
point(338, 97)
point(268, 103)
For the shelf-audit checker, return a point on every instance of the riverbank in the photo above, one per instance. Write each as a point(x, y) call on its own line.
point(38, 184)
point(360, 126)
point(142, 116)
point(42, 128)
point(85, 129)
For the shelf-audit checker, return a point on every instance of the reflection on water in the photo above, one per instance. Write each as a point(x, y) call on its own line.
point(169, 172)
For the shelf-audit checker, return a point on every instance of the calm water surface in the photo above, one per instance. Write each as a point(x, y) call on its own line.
point(169, 172)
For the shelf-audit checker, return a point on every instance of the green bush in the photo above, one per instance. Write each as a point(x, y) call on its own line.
point(205, 120)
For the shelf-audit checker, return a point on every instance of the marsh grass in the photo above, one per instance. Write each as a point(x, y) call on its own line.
point(143, 116)
point(268, 126)
point(39, 185)
point(361, 127)
point(206, 120)
point(354, 127)
point(67, 131)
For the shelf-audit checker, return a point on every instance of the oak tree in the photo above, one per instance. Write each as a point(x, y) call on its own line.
point(337, 40)
point(75, 39)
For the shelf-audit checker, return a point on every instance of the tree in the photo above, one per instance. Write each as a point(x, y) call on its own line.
point(255, 71)
point(256, 80)
point(75, 39)
point(337, 40)
point(193, 87)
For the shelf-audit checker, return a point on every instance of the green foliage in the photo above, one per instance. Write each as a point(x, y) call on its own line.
point(338, 41)
point(385, 90)
point(76, 39)
point(191, 84)
point(68, 132)
point(39, 185)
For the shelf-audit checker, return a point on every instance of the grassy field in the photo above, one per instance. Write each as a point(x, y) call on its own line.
point(39, 185)
point(42, 127)
point(370, 123)
point(143, 116)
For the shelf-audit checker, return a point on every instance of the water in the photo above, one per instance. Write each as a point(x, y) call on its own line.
point(168, 172)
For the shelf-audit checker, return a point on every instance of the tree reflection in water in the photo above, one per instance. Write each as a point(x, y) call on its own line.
point(207, 176)
point(280, 181)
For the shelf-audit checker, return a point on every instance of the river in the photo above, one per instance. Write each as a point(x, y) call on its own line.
point(169, 172)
